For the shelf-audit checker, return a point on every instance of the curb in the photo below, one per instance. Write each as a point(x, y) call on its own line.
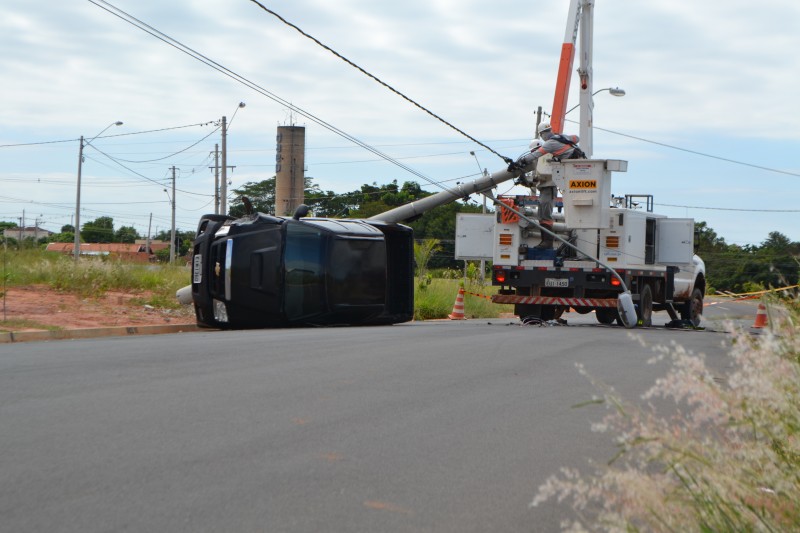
point(91, 333)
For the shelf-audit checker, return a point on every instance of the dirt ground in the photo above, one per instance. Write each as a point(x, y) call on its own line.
point(40, 307)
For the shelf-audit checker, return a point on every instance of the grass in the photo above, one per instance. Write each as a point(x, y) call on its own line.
point(436, 300)
point(20, 324)
point(94, 277)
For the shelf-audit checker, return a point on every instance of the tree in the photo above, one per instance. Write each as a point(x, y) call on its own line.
point(261, 195)
point(98, 230)
point(126, 234)
point(776, 265)
point(64, 236)
point(7, 225)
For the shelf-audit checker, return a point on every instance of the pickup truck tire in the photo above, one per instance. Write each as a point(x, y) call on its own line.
point(692, 310)
point(644, 312)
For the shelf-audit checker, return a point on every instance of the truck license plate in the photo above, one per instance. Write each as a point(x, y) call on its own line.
point(556, 282)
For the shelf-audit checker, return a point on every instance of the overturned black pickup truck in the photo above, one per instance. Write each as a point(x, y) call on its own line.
point(265, 271)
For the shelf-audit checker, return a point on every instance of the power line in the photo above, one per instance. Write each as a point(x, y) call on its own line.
point(695, 152)
point(173, 154)
point(732, 209)
point(106, 136)
point(251, 85)
point(508, 160)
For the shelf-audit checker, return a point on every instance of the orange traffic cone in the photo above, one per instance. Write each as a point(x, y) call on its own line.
point(761, 316)
point(458, 307)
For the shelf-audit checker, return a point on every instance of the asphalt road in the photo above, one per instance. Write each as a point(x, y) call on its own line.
point(423, 427)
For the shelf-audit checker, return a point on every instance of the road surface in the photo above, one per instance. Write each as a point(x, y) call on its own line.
point(428, 426)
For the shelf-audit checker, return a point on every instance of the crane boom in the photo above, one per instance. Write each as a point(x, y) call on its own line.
point(565, 67)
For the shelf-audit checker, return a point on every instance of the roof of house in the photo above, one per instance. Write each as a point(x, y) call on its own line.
point(111, 247)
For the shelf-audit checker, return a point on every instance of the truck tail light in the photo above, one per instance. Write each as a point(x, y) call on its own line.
point(500, 276)
point(615, 282)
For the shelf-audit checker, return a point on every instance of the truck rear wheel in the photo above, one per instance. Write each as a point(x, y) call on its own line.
point(693, 309)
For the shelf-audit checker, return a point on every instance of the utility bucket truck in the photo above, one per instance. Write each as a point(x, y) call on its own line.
point(610, 249)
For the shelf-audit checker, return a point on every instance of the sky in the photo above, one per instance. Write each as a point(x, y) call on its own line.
point(708, 124)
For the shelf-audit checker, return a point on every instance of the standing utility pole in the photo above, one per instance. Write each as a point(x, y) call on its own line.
point(172, 234)
point(77, 229)
point(77, 250)
point(223, 186)
point(149, 226)
point(216, 179)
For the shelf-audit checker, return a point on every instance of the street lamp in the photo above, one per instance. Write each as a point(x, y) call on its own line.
point(613, 91)
point(77, 228)
point(587, 121)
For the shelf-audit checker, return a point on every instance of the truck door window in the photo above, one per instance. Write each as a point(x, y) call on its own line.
point(358, 272)
point(304, 291)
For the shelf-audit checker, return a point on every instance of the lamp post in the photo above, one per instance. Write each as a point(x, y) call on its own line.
point(77, 250)
point(587, 120)
point(613, 91)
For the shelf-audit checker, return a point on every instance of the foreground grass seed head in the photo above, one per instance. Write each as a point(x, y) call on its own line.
point(727, 460)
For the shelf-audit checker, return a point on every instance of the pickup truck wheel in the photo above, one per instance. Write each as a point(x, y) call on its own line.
point(605, 315)
point(644, 311)
point(693, 309)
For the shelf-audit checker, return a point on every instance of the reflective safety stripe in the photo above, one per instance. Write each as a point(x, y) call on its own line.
point(549, 300)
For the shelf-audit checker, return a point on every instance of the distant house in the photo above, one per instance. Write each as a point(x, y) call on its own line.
point(20, 233)
point(136, 252)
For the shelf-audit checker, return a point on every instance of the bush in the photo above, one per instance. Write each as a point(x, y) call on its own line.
point(730, 462)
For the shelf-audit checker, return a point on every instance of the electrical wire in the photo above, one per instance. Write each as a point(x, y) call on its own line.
point(173, 154)
point(105, 136)
point(695, 152)
point(142, 175)
point(110, 8)
point(381, 82)
point(732, 209)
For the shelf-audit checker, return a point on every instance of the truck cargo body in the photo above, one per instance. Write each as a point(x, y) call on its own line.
point(652, 254)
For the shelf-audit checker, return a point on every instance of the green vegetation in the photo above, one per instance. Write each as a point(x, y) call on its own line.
point(740, 269)
point(93, 277)
point(16, 325)
point(435, 298)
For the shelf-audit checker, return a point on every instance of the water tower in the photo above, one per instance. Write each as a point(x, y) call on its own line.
point(289, 169)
